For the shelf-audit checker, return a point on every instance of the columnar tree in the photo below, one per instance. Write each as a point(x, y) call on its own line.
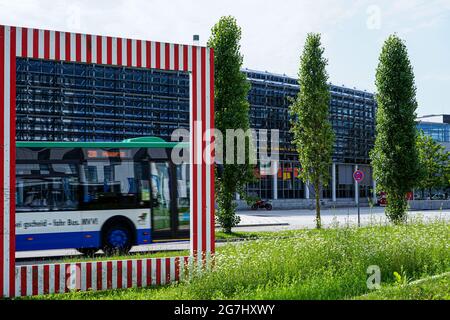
point(310, 125)
point(434, 161)
point(395, 158)
point(447, 174)
point(232, 112)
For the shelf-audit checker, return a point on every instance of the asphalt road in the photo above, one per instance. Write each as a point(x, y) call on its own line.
point(305, 218)
point(262, 220)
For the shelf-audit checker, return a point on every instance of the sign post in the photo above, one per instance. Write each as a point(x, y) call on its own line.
point(358, 175)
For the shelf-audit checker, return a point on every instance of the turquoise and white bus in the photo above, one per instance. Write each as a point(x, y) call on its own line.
point(99, 195)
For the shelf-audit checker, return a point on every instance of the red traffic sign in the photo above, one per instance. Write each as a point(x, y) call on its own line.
point(358, 175)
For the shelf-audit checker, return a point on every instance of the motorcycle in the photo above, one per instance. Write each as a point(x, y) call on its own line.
point(261, 204)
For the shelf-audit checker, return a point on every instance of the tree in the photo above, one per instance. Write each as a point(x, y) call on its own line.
point(434, 161)
point(395, 158)
point(312, 132)
point(232, 112)
point(447, 174)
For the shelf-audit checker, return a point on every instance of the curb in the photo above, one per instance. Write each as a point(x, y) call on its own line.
point(258, 225)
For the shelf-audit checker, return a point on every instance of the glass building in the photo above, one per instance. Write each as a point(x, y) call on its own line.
point(352, 115)
point(436, 126)
point(62, 101)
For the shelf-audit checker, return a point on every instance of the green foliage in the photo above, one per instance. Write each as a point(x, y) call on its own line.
point(447, 174)
point(309, 264)
point(232, 112)
point(429, 289)
point(401, 278)
point(434, 162)
point(159, 254)
point(311, 128)
point(395, 159)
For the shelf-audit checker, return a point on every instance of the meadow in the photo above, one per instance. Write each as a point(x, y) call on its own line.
point(315, 264)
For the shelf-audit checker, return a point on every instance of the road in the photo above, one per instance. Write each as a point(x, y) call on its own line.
point(305, 218)
point(275, 220)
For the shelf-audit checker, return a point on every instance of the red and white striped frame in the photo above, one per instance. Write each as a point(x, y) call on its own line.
point(42, 279)
point(74, 47)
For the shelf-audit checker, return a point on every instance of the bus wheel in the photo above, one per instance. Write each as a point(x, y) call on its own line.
point(88, 252)
point(117, 239)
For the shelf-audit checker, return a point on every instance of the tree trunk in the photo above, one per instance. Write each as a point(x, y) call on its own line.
point(227, 225)
point(318, 219)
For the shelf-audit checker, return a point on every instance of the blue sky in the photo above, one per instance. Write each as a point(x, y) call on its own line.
point(274, 32)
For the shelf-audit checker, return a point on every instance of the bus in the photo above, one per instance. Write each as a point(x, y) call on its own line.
point(93, 196)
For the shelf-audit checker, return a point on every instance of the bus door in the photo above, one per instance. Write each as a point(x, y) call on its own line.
point(170, 201)
point(182, 185)
point(161, 199)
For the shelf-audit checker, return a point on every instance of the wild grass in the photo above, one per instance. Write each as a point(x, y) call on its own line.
point(429, 289)
point(220, 236)
point(309, 264)
point(159, 254)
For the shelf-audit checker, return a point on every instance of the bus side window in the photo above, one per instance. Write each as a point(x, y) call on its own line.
point(46, 187)
point(109, 185)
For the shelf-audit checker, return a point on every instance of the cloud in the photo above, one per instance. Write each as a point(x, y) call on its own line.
point(409, 16)
point(267, 25)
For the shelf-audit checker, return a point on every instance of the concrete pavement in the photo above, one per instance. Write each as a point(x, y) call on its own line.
point(304, 218)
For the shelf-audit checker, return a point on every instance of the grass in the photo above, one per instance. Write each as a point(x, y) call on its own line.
point(310, 264)
point(428, 289)
point(252, 235)
point(220, 236)
point(159, 254)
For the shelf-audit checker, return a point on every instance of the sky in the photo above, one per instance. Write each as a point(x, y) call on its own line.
point(273, 32)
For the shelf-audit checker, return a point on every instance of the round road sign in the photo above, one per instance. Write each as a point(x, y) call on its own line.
point(358, 175)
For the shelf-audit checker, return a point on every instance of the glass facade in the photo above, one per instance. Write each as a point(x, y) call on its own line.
point(352, 115)
point(440, 132)
point(61, 101)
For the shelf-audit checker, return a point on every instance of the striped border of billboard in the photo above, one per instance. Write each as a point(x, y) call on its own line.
point(35, 280)
point(83, 48)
